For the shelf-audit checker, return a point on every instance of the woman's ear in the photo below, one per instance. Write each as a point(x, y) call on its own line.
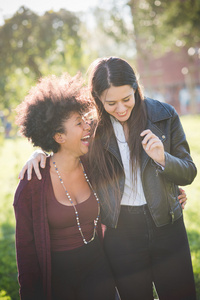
point(59, 138)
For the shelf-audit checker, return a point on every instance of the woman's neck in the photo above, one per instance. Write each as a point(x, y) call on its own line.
point(65, 162)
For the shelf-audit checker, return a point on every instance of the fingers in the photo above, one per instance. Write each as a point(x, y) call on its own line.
point(29, 170)
point(152, 144)
point(33, 164)
point(183, 204)
point(182, 198)
point(43, 161)
point(144, 132)
point(22, 172)
point(181, 190)
point(147, 135)
point(149, 139)
point(28, 167)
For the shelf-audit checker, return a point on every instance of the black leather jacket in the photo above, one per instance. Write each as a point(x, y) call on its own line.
point(160, 187)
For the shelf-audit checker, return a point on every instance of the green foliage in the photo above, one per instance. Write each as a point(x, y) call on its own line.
point(11, 153)
point(114, 21)
point(160, 25)
point(3, 296)
point(32, 46)
point(8, 261)
point(12, 156)
point(31, 38)
point(157, 25)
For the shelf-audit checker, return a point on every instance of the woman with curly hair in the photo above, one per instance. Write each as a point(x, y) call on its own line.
point(59, 255)
point(137, 159)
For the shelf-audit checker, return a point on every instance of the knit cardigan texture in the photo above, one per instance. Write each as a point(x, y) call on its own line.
point(32, 237)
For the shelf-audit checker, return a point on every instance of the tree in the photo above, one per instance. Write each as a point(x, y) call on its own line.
point(113, 30)
point(157, 25)
point(161, 25)
point(31, 45)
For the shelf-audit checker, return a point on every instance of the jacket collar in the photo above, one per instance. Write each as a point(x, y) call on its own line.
point(156, 111)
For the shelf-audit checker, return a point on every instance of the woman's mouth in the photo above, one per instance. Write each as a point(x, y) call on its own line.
point(122, 114)
point(85, 140)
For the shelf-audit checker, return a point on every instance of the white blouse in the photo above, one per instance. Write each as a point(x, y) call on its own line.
point(133, 195)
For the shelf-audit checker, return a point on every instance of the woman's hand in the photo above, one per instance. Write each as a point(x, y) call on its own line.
point(37, 157)
point(182, 198)
point(153, 146)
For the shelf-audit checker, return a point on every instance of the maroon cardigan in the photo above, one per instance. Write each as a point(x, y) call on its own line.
point(32, 237)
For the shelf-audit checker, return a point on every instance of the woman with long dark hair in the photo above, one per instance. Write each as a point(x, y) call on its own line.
point(138, 157)
point(137, 160)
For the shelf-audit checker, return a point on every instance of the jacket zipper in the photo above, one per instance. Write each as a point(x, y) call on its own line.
point(171, 210)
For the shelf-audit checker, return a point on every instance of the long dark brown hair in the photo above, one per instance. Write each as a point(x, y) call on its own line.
point(103, 74)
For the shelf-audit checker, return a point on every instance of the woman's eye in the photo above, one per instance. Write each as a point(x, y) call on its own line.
point(126, 100)
point(79, 123)
point(111, 104)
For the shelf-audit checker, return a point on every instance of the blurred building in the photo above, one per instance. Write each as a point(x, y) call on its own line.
point(173, 78)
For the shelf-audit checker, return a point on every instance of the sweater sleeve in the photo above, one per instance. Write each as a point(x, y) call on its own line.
point(29, 274)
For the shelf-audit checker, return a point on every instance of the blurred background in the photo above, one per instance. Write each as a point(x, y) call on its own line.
point(159, 38)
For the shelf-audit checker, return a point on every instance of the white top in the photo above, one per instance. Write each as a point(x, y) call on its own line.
point(133, 196)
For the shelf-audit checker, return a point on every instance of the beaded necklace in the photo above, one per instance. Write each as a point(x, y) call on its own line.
point(74, 206)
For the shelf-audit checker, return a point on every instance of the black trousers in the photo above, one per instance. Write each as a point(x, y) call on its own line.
point(82, 274)
point(141, 254)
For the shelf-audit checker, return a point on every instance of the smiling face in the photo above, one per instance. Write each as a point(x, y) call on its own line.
point(75, 139)
point(119, 101)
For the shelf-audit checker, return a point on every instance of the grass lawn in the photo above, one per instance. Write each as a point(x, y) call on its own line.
point(13, 153)
point(191, 125)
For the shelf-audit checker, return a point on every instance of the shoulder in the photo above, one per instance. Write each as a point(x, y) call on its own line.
point(26, 188)
point(158, 111)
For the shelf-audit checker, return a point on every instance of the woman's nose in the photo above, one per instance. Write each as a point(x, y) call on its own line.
point(86, 125)
point(120, 107)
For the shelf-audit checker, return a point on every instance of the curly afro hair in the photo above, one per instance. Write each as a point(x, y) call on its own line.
point(47, 105)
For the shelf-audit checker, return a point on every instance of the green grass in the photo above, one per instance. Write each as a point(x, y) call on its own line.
point(191, 125)
point(13, 154)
